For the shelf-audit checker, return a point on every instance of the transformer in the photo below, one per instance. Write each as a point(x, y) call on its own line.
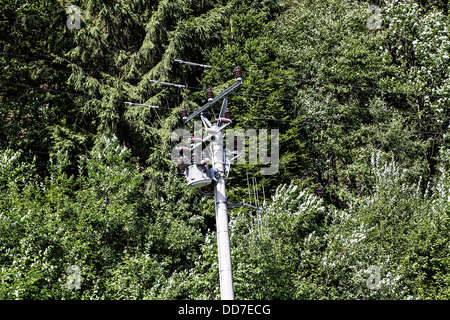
point(198, 175)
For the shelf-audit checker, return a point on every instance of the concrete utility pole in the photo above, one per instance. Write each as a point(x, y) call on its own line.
point(194, 179)
point(223, 239)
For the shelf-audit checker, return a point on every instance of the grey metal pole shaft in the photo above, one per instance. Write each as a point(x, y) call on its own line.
point(223, 239)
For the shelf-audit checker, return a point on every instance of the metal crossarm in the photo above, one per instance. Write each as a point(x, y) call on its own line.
point(209, 103)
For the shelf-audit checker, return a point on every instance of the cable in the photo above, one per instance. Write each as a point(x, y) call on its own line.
point(237, 117)
point(22, 27)
point(240, 94)
point(110, 48)
point(196, 88)
point(248, 72)
point(338, 105)
point(313, 123)
point(319, 123)
point(334, 124)
point(76, 94)
point(37, 59)
point(351, 86)
point(201, 89)
point(100, 71)
point(178, 86)
point(49, 90)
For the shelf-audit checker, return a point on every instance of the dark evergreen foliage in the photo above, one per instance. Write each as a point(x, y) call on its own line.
point(361, 99)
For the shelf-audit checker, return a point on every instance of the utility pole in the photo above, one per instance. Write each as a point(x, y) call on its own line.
point(223, 239)
point(196, 177)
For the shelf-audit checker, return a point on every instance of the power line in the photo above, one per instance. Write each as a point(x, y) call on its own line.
point(336, 84)
point(84, 95)
point(237, 117)
point(48, 90)
point(332, 105)
point(204, 66)
point(322, 83)
point(19, 26)
point(240, 94)
point(320, 123)
point(99, 71)
point(195, 88)
point(346, 85)
point(351, 86)
point(333, 124)
point(178, 86)
point(201, 89)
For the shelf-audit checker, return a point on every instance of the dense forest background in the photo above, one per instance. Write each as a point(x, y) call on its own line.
point(360, 95)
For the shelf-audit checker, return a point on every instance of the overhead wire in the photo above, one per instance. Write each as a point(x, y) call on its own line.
point(192, 87)
point(48, 89)
point(197, 88)
point(321, 123)
point(237, 117)
point(351, 86)
point(337, 84)
point(239, 94)
point(318, 82)
point(332, 105)
point(249, 72)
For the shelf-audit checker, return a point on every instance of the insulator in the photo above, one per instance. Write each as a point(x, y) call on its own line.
point(195, 140)
point(205, 161)
point(183, 113)
point(182, 165)
point(228, 114)
point(235, 145)
point(238, 73)
point(224, 120)
point(210, 94)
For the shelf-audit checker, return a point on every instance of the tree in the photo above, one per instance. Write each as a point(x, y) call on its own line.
point(270, 250)
point(397, 230)
point(88, 184)
point(98, 220)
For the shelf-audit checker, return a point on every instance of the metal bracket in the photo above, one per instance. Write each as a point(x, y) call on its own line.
point(243, 204)
point(213, 174)
point(237, 155)
point(224, 107)
point(205, 121)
